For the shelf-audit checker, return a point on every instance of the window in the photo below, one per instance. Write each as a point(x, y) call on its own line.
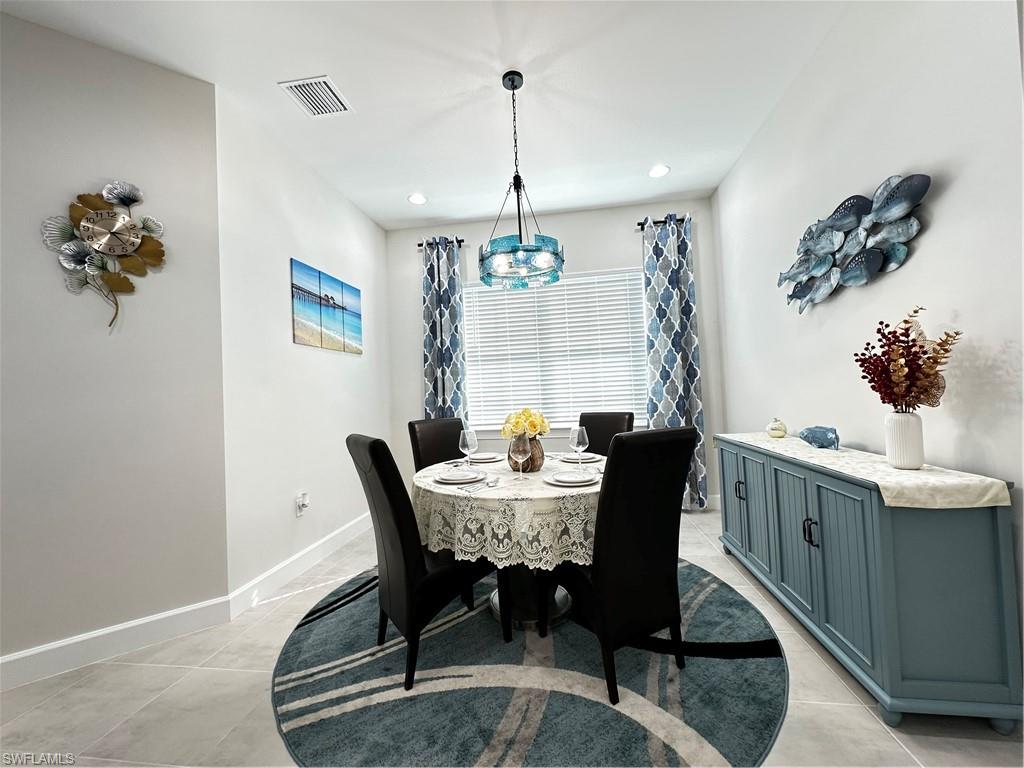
point(577, 345)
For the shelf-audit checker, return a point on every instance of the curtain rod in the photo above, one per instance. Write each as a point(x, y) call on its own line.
point(458, 240)
point(656, 223)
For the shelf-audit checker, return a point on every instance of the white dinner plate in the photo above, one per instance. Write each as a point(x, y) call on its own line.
point(584, 458)
point(571, 479)
point(484, 458)
point(460, 476)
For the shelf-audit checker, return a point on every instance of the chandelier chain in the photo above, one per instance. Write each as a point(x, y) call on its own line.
point(515, 132)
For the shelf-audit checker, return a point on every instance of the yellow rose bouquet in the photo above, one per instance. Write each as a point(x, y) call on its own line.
point(530, 423)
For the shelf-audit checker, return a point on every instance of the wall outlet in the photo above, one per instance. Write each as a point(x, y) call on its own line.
point(301, 503)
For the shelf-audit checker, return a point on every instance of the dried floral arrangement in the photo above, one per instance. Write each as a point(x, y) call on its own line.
point(905, 367)
point(99, 241)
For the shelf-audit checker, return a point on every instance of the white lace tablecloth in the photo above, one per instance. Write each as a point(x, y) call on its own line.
point(926, 488)
point(515, 522)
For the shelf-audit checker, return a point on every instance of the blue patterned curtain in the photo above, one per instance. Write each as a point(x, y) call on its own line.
point(444, 362)
point(673, 350)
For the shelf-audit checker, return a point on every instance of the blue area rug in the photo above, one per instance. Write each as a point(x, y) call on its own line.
point(339, 699)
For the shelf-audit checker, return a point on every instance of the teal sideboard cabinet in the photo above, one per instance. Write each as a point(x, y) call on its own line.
point(919, 604)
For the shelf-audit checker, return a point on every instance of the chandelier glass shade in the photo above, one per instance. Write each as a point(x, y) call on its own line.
point(512, 261)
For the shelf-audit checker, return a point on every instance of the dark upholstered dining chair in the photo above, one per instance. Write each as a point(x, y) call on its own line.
point(602, 426)
point(434, 441)
point(414, 584)
point(631, 590)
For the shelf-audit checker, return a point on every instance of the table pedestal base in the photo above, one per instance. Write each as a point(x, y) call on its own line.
point(523, 595)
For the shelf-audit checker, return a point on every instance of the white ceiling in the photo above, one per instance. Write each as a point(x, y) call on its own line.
point(611, 89)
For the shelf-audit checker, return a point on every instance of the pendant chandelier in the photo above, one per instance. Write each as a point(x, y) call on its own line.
point(511, 261)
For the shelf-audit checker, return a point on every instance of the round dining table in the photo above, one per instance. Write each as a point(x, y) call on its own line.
point(524, 525)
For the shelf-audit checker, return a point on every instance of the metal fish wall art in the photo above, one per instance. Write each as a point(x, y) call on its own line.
point(859, 240)
point(823, 288)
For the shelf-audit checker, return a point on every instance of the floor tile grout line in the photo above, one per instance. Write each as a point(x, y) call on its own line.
point(133, 713)
point(191, 668)
point(873, 713)
point(56, 693)
point(128, 762)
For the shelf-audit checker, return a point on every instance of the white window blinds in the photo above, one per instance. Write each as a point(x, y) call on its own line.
point(574, 346)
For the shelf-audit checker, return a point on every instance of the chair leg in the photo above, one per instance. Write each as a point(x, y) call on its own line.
point(543, 601)
point(505, 605)
point(411, 651)
point(467, 597)
point(608, 657)
point(382, 627)
point(677, 640)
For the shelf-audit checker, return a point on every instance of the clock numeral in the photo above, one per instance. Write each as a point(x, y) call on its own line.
point(124, 249)
point(89, 238)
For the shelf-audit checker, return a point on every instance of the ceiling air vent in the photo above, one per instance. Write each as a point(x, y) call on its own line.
point(317, 95)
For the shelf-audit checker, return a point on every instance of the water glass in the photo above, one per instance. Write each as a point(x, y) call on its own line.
point(467, 444)
point(520, 451)
point(578, 442)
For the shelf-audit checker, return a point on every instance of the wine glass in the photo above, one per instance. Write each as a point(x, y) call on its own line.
point(520, 451)
point(578, 442)
point(467, 444)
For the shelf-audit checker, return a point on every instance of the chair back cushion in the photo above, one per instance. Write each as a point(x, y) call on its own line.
point(434, 441)
point(602, 426)
point(636, 536)
point(400, 563)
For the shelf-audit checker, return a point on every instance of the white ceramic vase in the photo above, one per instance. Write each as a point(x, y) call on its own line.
point(904, 442)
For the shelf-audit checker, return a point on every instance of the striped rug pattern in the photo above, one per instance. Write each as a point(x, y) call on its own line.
point(339, 698)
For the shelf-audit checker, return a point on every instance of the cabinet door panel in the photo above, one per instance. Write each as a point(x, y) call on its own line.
point(732, 519)
point(790, 487)
point(845, 537)
point(754, 468)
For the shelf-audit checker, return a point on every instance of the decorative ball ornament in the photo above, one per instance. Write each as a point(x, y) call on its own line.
point(99, 241)
point(110, 232)
point(776, 428)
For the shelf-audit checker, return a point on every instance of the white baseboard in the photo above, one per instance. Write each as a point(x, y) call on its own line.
point(715, 501)
point(59, 656)
point(269, 581)
point(72, 652)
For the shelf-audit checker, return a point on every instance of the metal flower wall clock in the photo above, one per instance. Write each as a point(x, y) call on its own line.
point(100, 242)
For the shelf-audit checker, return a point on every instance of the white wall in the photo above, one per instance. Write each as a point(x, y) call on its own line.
point(895, 88)
point(288, 408)
point(112, 443)
point(593, 240)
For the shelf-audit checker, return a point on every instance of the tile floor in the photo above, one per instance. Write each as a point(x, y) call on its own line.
point(203, 699)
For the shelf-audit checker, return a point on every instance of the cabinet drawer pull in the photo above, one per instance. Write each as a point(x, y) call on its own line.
point(737, 488)
point(810, 534)
point(807, 536)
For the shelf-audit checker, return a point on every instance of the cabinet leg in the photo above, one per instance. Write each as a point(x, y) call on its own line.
point(1002, 725)
point(892, 719)
point(726, 550)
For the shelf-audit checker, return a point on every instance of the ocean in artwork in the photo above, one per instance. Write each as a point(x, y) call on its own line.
point(353, 309)
point(306, 327)
point(326, 312)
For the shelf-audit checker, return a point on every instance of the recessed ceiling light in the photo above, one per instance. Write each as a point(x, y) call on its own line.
point(659, 170)
point(417, 198)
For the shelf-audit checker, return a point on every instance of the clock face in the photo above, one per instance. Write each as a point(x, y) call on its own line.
point(110, 232)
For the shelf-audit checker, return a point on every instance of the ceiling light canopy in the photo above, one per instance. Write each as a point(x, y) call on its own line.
point(417, 198)
point(659, 170)
point(511, 261)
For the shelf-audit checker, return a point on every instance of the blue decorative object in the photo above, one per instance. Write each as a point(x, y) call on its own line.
point(511, 261)
point(673, 349)
point(444, 363)
point(821, 437)
point(861, 268)
point(508, 262)
point(878, 229)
